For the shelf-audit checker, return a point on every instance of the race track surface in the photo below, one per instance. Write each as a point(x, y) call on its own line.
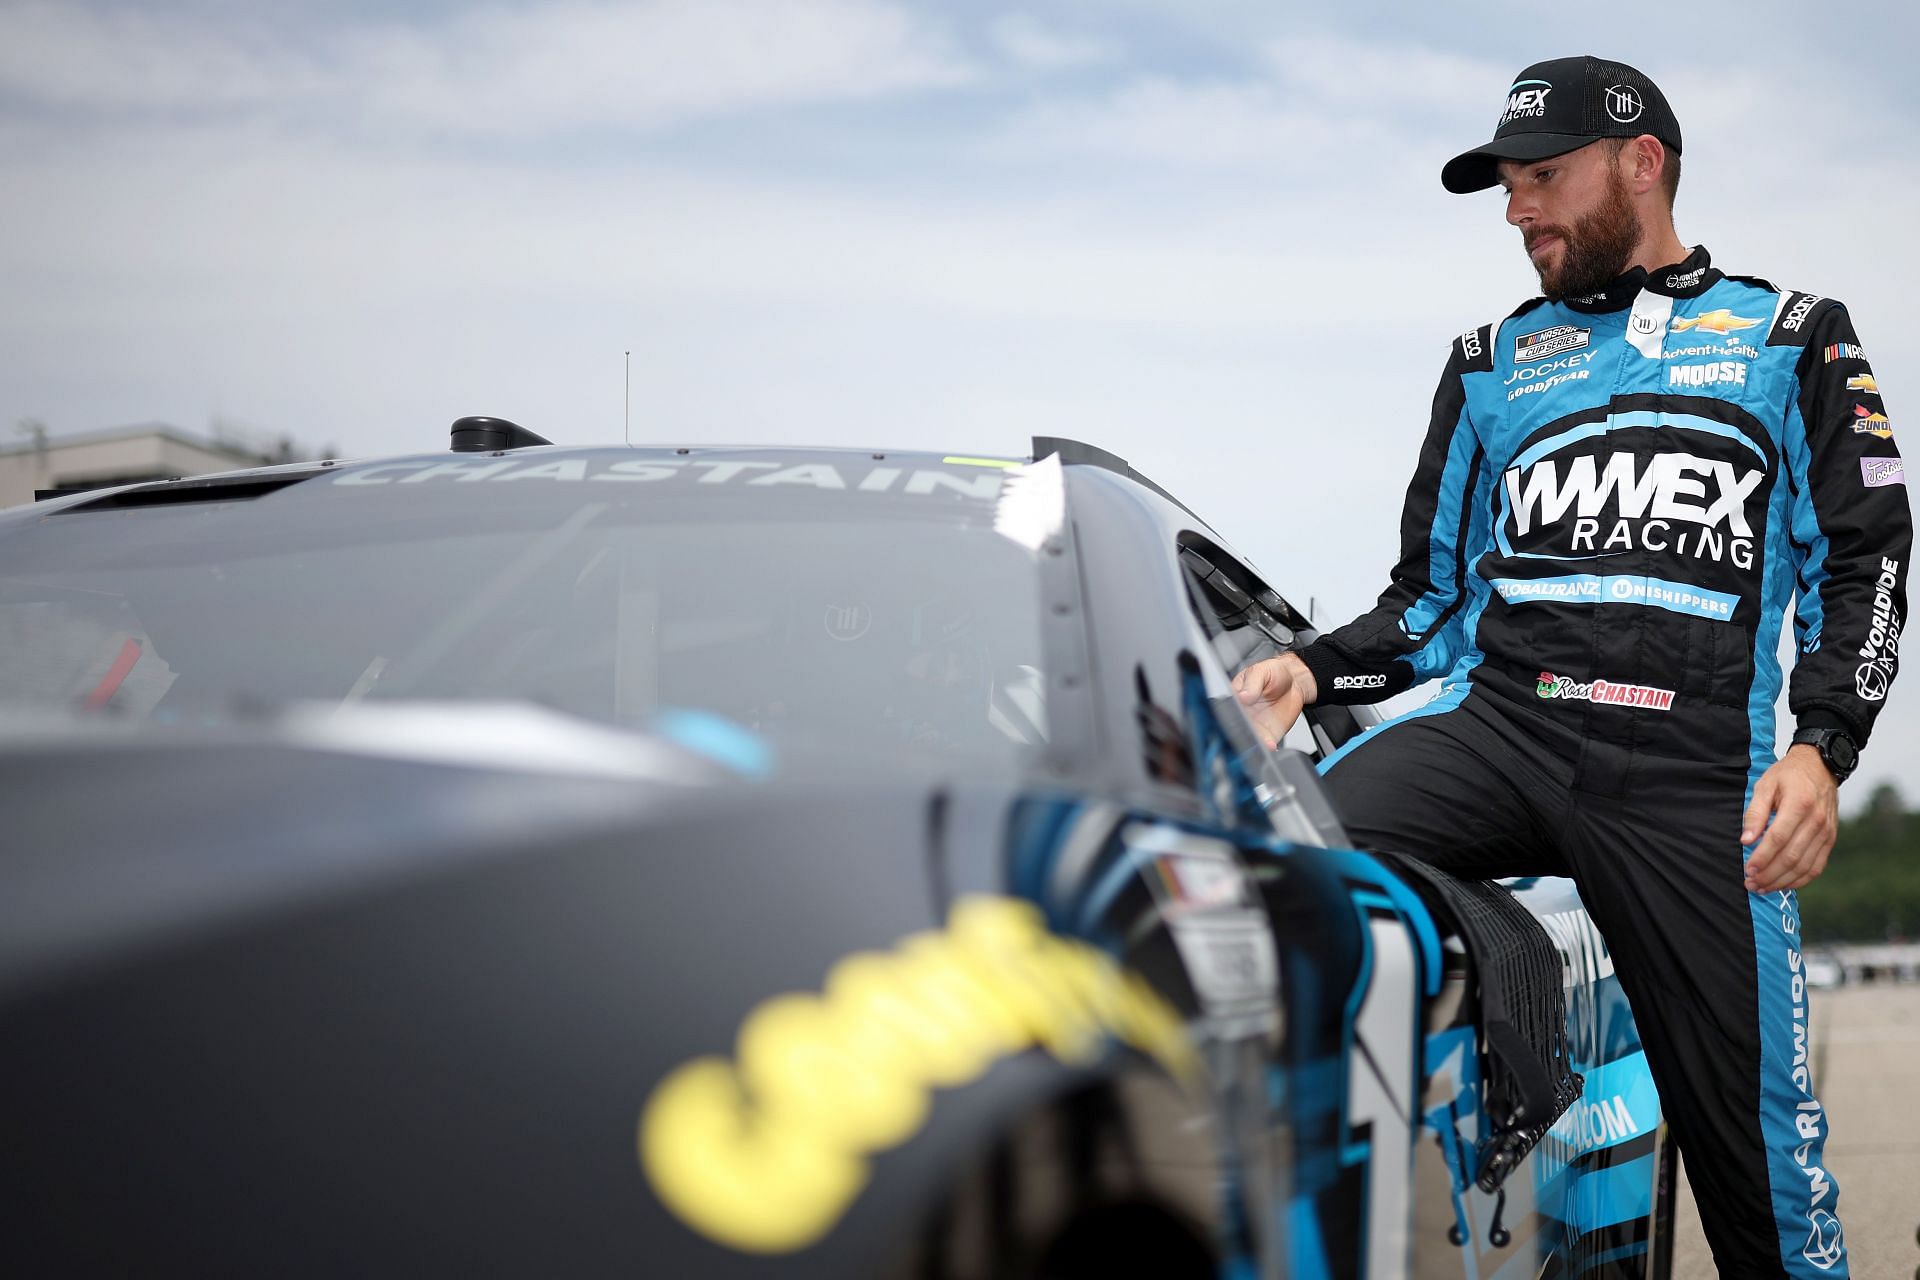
point(1867, 1072)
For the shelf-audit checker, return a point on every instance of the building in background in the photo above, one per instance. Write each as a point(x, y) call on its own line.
point(126, 455)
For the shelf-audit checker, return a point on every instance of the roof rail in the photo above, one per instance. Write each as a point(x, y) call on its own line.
point(481, 435)
point(1077, 453)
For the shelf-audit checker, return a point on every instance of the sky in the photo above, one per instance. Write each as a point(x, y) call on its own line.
point(1208, 236)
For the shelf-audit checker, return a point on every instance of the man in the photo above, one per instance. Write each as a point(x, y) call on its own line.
point(1623, 484)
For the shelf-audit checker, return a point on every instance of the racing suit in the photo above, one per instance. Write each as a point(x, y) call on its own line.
point(1616, 499)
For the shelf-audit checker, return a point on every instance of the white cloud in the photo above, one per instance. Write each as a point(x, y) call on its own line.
point(1346, 76)
point(1223, 124)
point(1327, 109)
point(582, 64)
point(646, 64)
point(1034, 44)
point(73, 56)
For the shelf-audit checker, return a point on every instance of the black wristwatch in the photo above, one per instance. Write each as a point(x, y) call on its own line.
point(1835, 748)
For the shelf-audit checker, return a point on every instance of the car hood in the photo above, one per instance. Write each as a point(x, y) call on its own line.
point(335, 1001)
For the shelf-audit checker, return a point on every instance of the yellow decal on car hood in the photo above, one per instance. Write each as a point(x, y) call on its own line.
point(765, 1152)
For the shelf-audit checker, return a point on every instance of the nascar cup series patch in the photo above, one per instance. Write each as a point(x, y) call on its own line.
point(1550, 342)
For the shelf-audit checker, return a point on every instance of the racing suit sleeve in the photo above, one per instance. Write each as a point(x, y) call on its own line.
point(1416, 631)
point(1852, 533)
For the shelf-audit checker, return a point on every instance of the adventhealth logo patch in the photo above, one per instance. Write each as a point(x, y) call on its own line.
point(1732, 348)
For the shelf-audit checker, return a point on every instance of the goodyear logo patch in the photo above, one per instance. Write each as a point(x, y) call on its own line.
point(765, 1151)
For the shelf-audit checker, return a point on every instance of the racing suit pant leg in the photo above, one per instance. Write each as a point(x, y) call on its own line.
point(1453, 788)
point(1715, 980)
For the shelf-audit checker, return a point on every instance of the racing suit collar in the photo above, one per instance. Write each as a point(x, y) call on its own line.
point(1688, 279)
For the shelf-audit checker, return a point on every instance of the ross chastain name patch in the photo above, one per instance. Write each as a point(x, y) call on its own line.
point(1604, 691)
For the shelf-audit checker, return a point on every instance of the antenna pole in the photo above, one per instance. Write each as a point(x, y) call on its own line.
point(626, 407)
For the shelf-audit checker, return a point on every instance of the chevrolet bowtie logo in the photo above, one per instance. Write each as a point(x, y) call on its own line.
point(1721, 321)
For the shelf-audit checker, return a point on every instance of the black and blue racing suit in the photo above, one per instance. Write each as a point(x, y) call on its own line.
point(1617, 501)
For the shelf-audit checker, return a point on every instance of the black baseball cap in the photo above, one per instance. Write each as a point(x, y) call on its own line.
point(1559, 106)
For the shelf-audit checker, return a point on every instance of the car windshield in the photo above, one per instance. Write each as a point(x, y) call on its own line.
point(836, 614)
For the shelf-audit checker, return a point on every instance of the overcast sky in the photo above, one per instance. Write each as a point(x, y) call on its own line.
point(1209, 236)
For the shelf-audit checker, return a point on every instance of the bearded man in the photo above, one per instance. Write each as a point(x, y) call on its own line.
point(1623, 486)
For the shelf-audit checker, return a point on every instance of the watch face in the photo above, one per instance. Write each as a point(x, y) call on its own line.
point(1842, 752)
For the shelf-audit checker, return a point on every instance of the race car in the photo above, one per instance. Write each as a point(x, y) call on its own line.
point(693, 861)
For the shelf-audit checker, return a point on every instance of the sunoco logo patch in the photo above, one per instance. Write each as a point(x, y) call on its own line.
point(1550, 342)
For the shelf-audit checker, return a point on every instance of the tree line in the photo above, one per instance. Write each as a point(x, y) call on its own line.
point(1870, 891)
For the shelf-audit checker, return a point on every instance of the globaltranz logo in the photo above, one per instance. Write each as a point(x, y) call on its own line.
point(1673, 503)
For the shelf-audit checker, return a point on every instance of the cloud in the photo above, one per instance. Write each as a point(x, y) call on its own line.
point(1220, 125)
point(1311, 106)
point(1033, 44)
point(75, 57)
point(1344, 76)
point(632, 65)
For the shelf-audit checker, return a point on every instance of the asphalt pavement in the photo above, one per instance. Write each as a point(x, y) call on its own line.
point(1867, 1073)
